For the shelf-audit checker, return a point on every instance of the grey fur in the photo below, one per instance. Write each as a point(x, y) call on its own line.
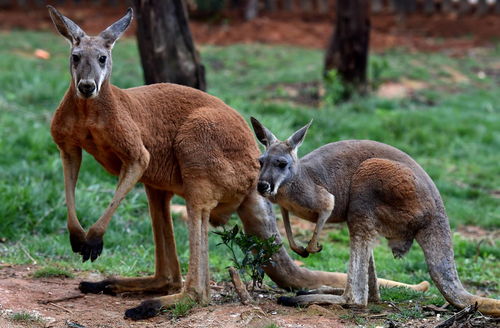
point(378, 190)
point(90, 59)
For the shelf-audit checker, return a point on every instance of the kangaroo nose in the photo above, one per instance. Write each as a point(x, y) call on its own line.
point(86, 87)
point(263, 187)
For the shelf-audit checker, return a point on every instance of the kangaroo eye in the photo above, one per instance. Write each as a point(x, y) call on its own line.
point(282, 164)
point(102, 59)
point(75, 58)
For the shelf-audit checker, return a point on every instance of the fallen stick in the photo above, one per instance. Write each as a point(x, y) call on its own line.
point(241, 290)
point(471, 309)
point(62, 299)
point(60, 307)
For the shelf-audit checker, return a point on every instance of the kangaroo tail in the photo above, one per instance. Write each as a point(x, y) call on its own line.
point(435, 240)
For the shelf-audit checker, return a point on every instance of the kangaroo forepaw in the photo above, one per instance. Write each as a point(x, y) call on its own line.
point(147, 309)
point(314, 248)
point(301, 251)
point(91, 249)
point(77, 241)
point(88, 287)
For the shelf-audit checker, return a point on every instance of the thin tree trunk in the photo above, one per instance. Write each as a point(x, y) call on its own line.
point(347, 51)
point(165, 44)
point(251, 9)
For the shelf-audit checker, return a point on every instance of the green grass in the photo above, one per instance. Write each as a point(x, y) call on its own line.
point(182, 308)
point(52, 271)
point(451, 129)
point(273, 325)
point(25, 317)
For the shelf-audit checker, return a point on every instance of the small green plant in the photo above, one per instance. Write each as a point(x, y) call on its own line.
point(24, 317)
point(407, 314)
point(335, 90)
point(376, 68)
point(399, 294)
point(375, 308)
point(52, 271)
point(354, 318)
point(182, 308)
point(256, 252)
point(273, 325)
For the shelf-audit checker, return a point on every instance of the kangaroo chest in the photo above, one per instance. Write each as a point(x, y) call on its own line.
point(93, 142)
point(308, 204)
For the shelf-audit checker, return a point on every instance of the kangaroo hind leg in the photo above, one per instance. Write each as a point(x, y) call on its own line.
point(373, 290)
point(197, 282)
point(360, 260)
point(167, 277)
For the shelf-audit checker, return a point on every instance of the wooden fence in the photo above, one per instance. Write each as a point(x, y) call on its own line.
point(253, 8)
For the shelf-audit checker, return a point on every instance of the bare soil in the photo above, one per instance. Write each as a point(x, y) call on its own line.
point(448, 32)
point(20, 292)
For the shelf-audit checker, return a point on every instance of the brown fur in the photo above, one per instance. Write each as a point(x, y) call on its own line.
point(175, 140)
point(378, 190)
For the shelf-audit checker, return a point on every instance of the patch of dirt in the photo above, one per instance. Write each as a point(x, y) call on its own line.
point(478, 233)
point(401, 89)
point(447, 32)
point(300, 93)
point(19, 292)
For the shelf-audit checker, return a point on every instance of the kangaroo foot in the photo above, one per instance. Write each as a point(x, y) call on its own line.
point(147, 309)
point(314, 247)
point(301, 251)
point(88, 287)
point(151, 308)
point(289, 301)
point(321, 290)
point(305, 300)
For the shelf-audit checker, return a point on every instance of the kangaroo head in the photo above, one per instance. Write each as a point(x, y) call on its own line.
point(90, 60)
point(279, 162)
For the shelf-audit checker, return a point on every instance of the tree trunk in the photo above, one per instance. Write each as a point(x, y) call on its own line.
point(165, 44)
point(251, 9)
point(347, 51)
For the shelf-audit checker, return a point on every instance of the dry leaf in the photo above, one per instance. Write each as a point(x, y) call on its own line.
point(42, 54)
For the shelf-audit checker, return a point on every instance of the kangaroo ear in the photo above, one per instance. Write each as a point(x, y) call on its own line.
point(296, 139)
point(115, 31)
point(66, 27)
point(265, 136)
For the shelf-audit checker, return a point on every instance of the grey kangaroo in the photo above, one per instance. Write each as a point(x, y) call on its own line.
point(378, 190)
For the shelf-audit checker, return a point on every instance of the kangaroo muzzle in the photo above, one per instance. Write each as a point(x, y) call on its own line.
point(86, 88)
point(264, 188)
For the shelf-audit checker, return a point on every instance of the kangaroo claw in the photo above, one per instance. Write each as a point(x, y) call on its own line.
point(77, 241)
point(91, 249)
point(301, 251)
point(314, 248)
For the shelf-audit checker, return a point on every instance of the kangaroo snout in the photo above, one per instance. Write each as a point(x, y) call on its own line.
point(86, 88)
point(263, 187)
